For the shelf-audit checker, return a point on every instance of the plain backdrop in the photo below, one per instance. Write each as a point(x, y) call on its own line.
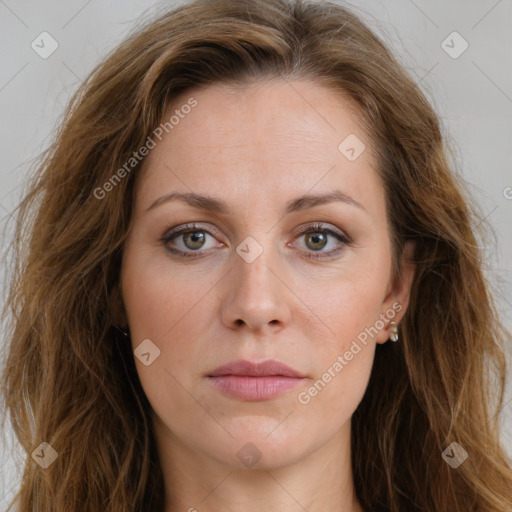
point(459, 52)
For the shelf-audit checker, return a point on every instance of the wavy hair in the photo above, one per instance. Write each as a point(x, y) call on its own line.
point(70, 380)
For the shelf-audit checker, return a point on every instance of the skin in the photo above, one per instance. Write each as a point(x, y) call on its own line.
point(257, 147)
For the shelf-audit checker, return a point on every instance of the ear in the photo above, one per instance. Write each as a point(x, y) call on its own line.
point(398, 293)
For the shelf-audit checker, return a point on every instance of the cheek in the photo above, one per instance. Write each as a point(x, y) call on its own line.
point(159, 300)
point(344, 360)
point(351, 310)
point(172, 311)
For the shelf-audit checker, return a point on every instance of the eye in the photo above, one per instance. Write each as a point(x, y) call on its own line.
point(190, 239)
point(187, 241)
point(317, 238)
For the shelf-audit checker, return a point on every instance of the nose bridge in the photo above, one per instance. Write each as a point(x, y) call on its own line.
point(255, 259)
point(256, 295)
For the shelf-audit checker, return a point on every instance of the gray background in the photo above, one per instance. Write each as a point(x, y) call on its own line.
point(472, 93)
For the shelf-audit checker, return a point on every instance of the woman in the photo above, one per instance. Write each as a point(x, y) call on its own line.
point(252, 282)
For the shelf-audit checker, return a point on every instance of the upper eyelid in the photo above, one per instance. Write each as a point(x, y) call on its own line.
point(183, 228)
point(314, 226)
point(198, 226)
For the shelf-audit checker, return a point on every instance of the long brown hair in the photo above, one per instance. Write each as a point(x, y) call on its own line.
point(69, 379)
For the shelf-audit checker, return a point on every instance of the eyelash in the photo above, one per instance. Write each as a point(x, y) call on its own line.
point(311, 228)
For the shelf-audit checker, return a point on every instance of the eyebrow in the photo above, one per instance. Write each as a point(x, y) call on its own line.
point(219, 207)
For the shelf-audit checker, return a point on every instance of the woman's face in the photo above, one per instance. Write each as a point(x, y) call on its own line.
point(269, 271)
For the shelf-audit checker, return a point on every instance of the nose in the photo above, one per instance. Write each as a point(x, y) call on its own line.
point(256, 297)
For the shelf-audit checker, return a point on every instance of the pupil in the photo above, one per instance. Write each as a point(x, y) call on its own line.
point(316, 237)
point(195, 237)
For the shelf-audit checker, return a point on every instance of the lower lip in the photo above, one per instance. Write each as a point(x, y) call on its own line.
point(254, 388)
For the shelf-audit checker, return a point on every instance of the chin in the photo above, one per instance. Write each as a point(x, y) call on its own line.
point(261, 444)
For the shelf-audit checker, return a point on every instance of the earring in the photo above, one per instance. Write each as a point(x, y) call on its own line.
point(394, 332)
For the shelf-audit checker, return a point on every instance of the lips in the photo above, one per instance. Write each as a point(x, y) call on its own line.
point(255, 381)
point(254, 369)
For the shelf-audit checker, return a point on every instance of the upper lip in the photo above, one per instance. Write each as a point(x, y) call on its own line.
point(266, 368)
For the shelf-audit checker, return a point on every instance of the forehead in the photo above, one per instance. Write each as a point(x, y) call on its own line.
point(260, 140)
